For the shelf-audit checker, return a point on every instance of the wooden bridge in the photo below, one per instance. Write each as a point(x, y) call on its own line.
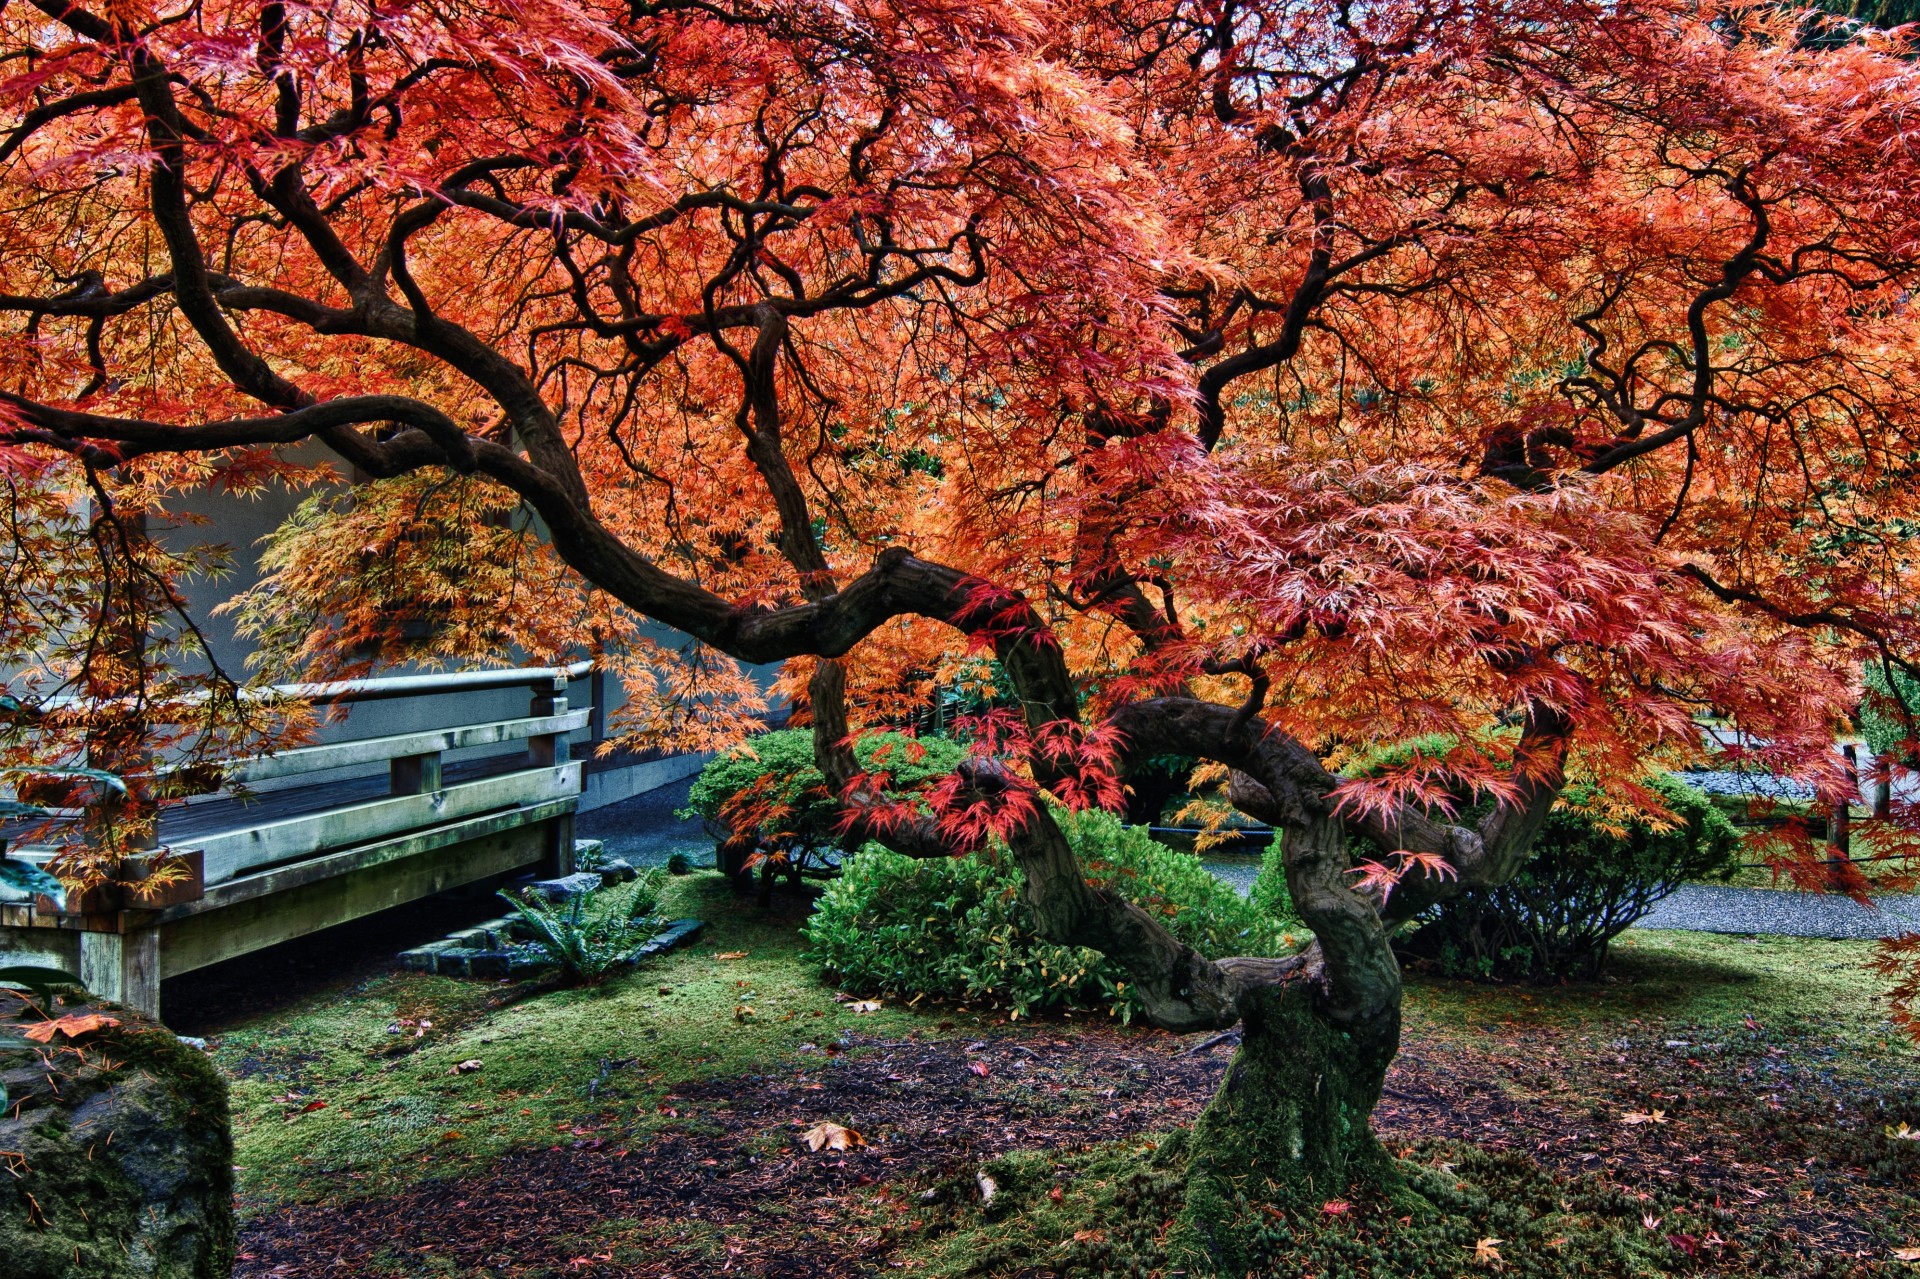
point(313, 841)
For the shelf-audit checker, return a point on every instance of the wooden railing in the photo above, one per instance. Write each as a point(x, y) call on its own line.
point(256, 867)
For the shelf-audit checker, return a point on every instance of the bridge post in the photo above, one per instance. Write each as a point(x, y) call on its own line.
point(414, 774)
point(550, 749)
point(123, 966)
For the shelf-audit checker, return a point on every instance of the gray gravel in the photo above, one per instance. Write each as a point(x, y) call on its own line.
point(1712, 908)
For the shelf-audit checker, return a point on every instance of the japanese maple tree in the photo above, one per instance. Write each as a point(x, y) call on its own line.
point(1254, 380)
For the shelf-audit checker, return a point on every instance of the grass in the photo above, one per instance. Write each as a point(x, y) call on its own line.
point(328, 1101)
point(330, 1104)
point(1703, 981)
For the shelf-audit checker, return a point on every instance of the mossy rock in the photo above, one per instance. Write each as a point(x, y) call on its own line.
point(120, 1149)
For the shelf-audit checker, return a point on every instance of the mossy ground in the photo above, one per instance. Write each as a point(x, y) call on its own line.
point(339, 1097)
point(647, 1134)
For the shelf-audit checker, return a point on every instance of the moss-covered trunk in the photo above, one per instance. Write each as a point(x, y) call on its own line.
point(1289, 1127)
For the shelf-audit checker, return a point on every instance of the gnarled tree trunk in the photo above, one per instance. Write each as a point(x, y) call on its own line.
point(1289, 1125)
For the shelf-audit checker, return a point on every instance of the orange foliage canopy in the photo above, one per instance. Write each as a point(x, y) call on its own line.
point(1247, 375)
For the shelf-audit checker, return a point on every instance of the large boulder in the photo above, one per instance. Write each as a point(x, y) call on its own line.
point(120, 1148)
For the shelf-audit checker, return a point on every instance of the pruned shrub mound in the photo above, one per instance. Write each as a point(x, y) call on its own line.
point(1459, 1211)
point(957, 929)
point(1587, 881)
point(119, 1148)
point(768, 795)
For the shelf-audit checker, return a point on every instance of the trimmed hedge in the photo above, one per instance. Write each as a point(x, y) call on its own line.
point(958, 928)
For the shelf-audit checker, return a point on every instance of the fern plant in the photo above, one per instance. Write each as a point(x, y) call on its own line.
point(589, 945)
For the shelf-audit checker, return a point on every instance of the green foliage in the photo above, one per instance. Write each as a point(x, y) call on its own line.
point(38, 979)
point(1104, 1212)
point(1584, 885)
point(958, 928)
point(774, 778)
point(590, 941)
point(679, 864)
point(1881, 722)
point(29, 879)
point(1269, 891)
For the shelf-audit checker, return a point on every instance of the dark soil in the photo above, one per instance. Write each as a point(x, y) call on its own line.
point(1793, 1151)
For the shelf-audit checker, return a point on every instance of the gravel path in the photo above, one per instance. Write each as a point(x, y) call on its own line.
point(1712, 908)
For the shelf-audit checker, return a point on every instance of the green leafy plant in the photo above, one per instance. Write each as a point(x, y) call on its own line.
point(1588, 881)
point(42, 781)
point(769, 805)
point(592, 936)
point(959, 929)
point(1888, 731)
point(26, 878)
point(773, 778)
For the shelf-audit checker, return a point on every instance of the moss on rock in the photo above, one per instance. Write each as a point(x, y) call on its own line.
point(121, 1151)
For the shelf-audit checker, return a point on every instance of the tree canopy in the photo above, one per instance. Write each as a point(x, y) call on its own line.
point(1255, 380)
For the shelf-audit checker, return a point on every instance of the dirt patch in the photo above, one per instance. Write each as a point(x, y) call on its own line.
point(1796, 1156)
point(732, 1157)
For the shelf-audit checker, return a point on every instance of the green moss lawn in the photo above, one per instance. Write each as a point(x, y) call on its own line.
point(413, 1125)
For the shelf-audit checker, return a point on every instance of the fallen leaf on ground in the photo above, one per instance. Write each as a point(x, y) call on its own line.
point(466, 1067)
point(1487, 1251)
point(73, 1025)
point(865, 1006)
point(828, 1135)
point(1336, 1207)
point(981, 1069)
point(1644, 1117)
point(1903, 1133)
point(1906, 1254)
point(730, 954)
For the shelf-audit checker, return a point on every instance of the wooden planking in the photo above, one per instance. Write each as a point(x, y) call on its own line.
point(373, 750)
point(237, 852)
point(44, 947)
point(196, 940)
point(314, 869)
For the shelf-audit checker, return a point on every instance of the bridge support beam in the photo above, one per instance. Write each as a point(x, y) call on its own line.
point(123, 967)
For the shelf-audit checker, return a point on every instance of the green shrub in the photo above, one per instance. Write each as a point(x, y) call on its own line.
point(775, 774)
point(594, 934)
point(1880, 720)
point(1269, 892)
point(1584, 885)
point(958, 929)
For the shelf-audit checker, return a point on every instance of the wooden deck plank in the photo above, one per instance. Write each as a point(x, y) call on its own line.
point(235, 852)
point(293, 911)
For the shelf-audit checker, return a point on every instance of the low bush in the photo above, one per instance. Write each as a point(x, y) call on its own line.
point(1586, 883)
point(773, 782)
point(592, 936)
point(958, 928)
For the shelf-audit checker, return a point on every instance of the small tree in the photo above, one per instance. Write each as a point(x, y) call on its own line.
point(1250, 380)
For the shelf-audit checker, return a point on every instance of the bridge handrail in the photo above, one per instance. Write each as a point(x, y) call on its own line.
point(387, 687)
